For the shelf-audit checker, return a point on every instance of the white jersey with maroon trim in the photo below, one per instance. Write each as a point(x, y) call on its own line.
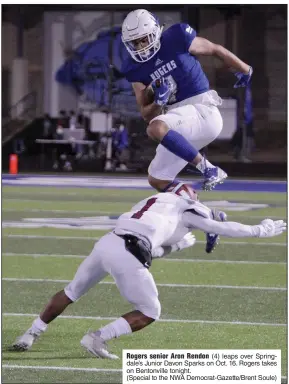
point(159, 218)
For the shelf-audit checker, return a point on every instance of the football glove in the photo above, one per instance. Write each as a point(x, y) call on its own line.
point(243, 79)
point(162, 91)
point(212, 240)
point(270, 228)
point(187, 241)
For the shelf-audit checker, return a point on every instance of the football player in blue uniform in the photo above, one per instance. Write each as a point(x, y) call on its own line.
point(174, 94)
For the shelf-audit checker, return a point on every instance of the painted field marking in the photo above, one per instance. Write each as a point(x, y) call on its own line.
point(97, 238)
point(184, 321)
point(64, 281)
point(109, 213)
point(36, 255)
point(40, 367)
point(52, 368)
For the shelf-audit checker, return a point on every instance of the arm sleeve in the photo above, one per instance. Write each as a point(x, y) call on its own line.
point(228, 228)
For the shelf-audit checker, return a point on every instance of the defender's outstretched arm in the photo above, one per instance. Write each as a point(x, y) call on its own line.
point(267, 228)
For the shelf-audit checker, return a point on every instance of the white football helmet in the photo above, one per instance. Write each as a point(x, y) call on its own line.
point(183, 190)
point(139, 24)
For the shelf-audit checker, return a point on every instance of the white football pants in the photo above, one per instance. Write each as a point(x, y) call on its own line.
point(197, 119)
point(134, 281)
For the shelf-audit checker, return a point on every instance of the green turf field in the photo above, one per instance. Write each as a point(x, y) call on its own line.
point(234, 298)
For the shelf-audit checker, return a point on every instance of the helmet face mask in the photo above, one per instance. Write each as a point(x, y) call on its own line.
point(136, 26)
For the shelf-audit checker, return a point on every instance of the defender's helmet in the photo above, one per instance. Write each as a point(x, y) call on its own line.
point(139, 24)
point(184, 190)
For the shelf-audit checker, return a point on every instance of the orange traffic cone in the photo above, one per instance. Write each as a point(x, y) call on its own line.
point(13, 164)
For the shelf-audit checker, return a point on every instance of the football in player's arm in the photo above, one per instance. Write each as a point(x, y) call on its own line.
point(174, 95)
point(199, 46)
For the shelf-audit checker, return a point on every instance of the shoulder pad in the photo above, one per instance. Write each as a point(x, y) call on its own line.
point(200, 209)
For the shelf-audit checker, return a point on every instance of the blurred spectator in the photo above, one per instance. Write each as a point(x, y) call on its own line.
point(62, 122)
point(80, 118)
point(72, 120)
point(47, 127)
point(77, 147)
point(249, 122)
point(244, 138)
point(120, 147)
point(59, 132)
point(86, 124)
point(18, 146)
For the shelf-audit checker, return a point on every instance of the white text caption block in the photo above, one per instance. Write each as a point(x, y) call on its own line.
point(208, 366)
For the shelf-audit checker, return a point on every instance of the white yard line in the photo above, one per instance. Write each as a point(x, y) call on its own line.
point(35, 255)
point(189, 179)
point(49, 193)
point(51, 237)
point(11, 254)
point(41, 200)
point(224, 261)
point(55, 211)
point(97, 238)
point(40, 367)
point(52, 368)
point(189, 321)
point(35, 210)
point(31, 280)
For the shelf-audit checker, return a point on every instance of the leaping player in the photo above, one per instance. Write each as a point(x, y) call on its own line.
point(174, 94)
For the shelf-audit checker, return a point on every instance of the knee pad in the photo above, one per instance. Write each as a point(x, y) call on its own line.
point(153, 310)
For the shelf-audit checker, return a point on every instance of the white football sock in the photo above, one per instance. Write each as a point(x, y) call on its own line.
point(203, 164)
point(115, 329)
point(38, 326)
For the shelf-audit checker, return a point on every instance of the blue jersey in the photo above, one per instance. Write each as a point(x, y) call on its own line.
point(174, 62)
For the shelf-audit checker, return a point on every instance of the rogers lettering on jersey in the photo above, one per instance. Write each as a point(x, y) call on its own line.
point(163, 70)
